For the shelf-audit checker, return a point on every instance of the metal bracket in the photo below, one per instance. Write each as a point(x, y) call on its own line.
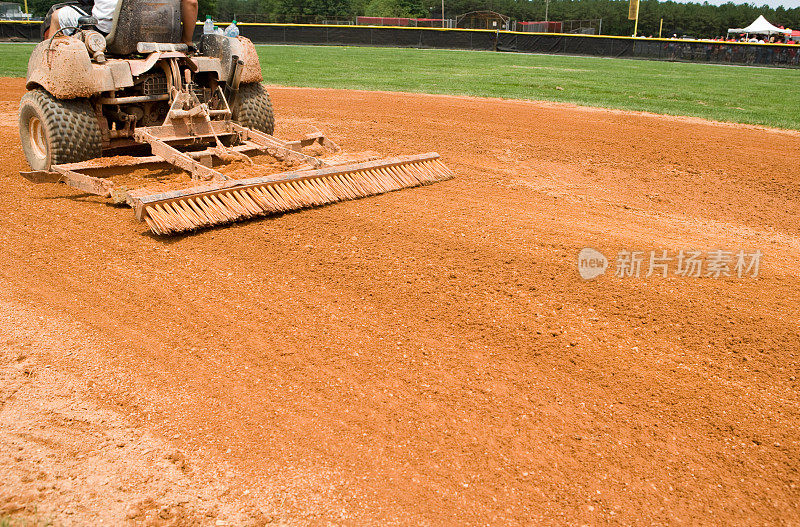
point(174, 156)
point(60, 174)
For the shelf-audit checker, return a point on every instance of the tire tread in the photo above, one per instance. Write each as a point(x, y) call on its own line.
point(71, 126)
point(255, 108)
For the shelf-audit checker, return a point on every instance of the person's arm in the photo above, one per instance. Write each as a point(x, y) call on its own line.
point(189, 18)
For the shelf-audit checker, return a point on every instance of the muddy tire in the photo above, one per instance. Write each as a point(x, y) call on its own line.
point(55, 131)
point(254, 109)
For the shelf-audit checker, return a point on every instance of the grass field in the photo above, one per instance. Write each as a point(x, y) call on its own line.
point(765, 96)
point(14, 59)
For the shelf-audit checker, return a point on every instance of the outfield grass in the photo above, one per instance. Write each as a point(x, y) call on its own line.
point(766, 96)
point(14, 59)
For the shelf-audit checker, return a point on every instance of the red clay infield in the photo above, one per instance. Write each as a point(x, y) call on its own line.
point(432, 356)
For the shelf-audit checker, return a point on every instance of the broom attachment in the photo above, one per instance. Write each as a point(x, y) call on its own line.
point(184, 140)
point(233, 200)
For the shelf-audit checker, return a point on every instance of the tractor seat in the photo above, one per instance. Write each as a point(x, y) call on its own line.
point(136, 21)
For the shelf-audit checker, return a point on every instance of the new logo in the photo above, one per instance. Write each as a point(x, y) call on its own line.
point(591, 263)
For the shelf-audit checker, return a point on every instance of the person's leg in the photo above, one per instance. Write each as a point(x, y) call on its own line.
point(189, 18)
point(66, 17)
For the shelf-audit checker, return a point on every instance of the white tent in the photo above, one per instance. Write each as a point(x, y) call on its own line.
point(760, 27)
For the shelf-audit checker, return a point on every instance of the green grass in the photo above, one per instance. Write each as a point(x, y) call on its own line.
point(14, 59)
point(765, 96)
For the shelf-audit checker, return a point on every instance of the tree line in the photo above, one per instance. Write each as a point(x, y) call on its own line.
point(698, 20)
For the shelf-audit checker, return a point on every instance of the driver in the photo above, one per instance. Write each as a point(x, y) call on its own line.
point(103, 10)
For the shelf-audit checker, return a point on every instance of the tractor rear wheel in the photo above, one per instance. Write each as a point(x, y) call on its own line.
point(254, 109)
point(56, 131)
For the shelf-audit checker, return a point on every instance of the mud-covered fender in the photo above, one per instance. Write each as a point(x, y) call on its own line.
point(223, 48)
point(63, 68)
point(252, 66)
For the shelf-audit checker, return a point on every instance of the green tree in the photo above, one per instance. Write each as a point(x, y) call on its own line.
point(397, 8)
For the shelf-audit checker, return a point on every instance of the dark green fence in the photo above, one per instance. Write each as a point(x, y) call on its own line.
point(602, 46)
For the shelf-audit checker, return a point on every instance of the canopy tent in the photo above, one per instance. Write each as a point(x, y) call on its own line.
point(760, 27)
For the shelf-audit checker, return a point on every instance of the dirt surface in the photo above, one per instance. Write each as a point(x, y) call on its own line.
point(429, 356)
point(71, 458)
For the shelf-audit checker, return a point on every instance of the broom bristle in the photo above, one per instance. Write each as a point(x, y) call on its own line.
point(206, 206)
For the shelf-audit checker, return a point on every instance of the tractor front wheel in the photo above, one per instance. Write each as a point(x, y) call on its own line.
point(56, 131)
point(254, 109)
